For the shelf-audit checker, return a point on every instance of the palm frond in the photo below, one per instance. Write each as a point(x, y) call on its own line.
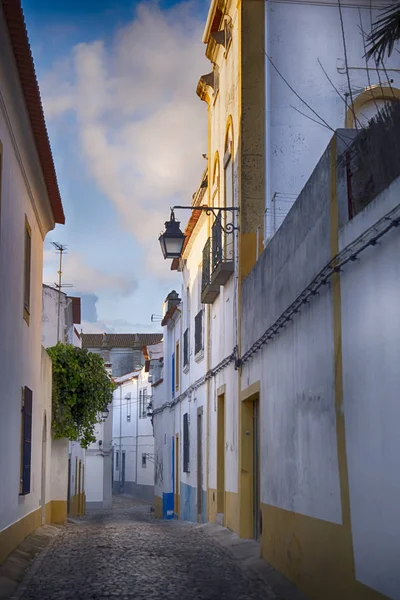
point(385, 33)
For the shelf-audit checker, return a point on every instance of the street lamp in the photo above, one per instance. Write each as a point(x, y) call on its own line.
point(171, 241)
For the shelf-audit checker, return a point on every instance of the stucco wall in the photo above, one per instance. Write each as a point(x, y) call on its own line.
point(299, 469)
point(294, 142)
point(23, 193)
point(371, 380)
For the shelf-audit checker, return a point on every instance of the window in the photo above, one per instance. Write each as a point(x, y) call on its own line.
point(173, 375)
point(117, 461)
point(144, 461)
point(128, 399)
point(27, 271)
point(186, 443)
point(198, 332)
point(140, 403)
point(144, 404)
point(26, 441)
point(177, 356)
point(186, 348)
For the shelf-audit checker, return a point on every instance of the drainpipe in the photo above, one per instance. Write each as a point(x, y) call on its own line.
point(120, 437)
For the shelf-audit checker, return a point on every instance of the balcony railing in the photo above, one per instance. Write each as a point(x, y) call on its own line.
point(218, 263)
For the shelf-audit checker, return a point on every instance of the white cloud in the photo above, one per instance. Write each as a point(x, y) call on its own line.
point(85, 278)
point(142, 129)
point(117, 326)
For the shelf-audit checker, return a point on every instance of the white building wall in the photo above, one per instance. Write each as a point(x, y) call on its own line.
point(98, 474)
point(133, 437)
point(371, 379)
point(23, 193)
point(294, 143)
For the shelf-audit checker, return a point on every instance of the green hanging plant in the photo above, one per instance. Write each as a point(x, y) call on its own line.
point(81, 390)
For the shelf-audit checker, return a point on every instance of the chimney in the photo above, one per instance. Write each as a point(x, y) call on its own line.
point(172, 299)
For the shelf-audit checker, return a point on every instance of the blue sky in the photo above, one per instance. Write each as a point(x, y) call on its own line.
point(118, 81)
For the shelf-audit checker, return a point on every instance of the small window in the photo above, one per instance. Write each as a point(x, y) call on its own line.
point(186, 348)
point(140, 403)
point(26, 441)
point(144, 461)
point(186, 443)
point(27, 271)
point(144, 404)
point(198, 332)
point(117, 461)
point(173, 375)
point(177, 356)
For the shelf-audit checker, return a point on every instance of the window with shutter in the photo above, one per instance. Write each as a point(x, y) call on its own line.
point(177, 365)
point(26, 445)
point(198, 332)
point(186, 348)
point(144, 405)
point(186, 443)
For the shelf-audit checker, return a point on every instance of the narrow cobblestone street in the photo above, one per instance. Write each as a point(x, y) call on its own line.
point(129, 554)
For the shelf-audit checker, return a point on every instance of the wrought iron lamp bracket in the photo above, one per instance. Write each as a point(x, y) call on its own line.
point(212, 210)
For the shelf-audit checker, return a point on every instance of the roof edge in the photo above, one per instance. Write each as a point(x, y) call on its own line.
point(19, 39)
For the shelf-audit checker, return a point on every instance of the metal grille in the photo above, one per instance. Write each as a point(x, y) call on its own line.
point(372, 159)
point(198, 332)
point(206, 271)
point(186, 348)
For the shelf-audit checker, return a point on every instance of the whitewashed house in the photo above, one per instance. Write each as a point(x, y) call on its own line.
point(258, 429)
point(133, 441)
point(122, 354)
point(60, 315)
point(30, 206)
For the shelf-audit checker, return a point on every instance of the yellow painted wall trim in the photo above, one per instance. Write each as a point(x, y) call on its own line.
point(232, 511)
point(211, 504)
point(221, 391)
point(11, 537)
point(58, 511)
point(250, 392)
point(158, 507)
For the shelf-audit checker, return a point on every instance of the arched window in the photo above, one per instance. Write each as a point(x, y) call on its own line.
point(228, 216)
point(367, 104)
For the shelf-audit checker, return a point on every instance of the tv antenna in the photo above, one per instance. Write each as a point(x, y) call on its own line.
point(61, 249)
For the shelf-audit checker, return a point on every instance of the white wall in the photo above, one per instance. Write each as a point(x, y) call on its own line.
point(298, 34)
point(94, 478)
point(371, 381)
point(23, 193)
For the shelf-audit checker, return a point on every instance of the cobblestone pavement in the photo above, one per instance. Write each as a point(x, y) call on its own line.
point(127, 553)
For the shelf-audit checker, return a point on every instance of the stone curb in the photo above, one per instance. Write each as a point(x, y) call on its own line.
point(34, 566)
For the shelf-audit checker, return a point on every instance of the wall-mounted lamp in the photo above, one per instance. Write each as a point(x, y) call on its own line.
point(105, 413)
point(172, 240)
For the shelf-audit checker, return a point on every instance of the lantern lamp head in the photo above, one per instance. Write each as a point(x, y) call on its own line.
point(171, 241)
